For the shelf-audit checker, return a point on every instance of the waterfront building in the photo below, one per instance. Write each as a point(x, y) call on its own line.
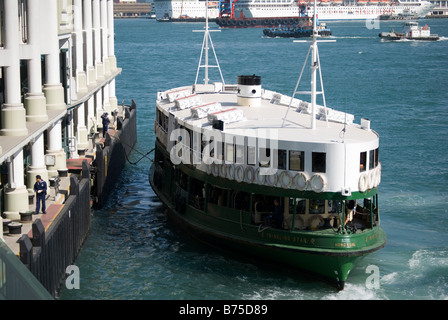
point(440, 9)
point(57, 77)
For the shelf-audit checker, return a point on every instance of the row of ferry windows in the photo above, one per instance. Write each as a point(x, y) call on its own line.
point(240, 154)
point(233, 153)
point(373, 160)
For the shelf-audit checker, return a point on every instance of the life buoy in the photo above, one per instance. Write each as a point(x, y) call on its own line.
point(208, 168)
point(223, 170)
point(371, 179)
point(231, 171)
point(285, 179)
point(378, 174)
point(259, 178)
point(271, 179)
point(363, 182)
point(239, 173)
point(215, 169)
point(300, 181)
point(249, 174)
point(318, 183)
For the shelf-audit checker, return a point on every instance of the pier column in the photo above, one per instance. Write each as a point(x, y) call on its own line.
point(16, 195)
point(56, 158)
point(82, 133)
point(112, 98)
point(53, 90)
point(110, 48)
point(13, 115)
point(35, 102)
point(81, 77)
point(37, 165)
point(106, 104)
point(87, 25)
point(111, 37)
point(99, 66)
point(91, 119)
point(104, 37)
point(99, 108)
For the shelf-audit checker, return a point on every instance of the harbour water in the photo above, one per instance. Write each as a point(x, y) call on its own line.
point(133, 252)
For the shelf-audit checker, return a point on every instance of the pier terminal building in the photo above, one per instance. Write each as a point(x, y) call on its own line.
point(57, 77)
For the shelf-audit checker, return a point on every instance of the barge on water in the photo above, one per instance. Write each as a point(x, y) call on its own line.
point(267, 175)
point(297, 31)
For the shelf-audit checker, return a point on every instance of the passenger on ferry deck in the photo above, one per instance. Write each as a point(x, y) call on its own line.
point(275, 219)
point(350, 211)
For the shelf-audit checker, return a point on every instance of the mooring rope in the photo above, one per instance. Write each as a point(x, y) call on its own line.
point(133, 148)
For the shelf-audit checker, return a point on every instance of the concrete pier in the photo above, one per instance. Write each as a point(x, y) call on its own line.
point(57, 77)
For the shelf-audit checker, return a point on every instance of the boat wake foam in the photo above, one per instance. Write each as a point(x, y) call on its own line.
point(425, 278)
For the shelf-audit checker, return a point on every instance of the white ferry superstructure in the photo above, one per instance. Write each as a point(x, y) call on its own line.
point(326, 9)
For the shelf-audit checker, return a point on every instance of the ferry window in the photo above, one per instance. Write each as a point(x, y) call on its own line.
point(251, 155)
point(296, 160)
point(281, 159)
point(239, 154)
point(264, 157)
point(230, 155)
point(319, 162)
point(334, 206)
point(376, 157)
point(363, 161)
point(300, 205)
point(317, 206)
point(371, 159)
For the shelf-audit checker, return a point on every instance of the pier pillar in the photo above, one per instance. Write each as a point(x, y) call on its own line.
point(82, 133)
point(81, 77)
point(16, 194)
point(91, 119)
point(104, 36)
point(13, 115)
point(34, 101)
point(99, 66)
point(110, 36)
point(106, 103)
point(87, 26)
point(55, 157)
point(37, 165)
point(53, 90)
point(99, 108)
point(112, 98)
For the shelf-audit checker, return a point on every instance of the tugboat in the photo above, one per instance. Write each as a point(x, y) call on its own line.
point(411, 31)
point(297, 31)
point(269, 175)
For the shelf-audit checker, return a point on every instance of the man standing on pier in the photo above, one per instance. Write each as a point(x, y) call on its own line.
point(41, 191)
point(106, 122)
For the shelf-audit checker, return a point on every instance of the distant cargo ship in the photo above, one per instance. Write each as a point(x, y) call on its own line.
point(257, 13)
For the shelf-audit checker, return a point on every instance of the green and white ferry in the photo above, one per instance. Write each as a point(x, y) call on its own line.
point(268, 175)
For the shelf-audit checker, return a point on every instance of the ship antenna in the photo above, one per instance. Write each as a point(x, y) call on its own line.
point(315, 64)
point(204, 51)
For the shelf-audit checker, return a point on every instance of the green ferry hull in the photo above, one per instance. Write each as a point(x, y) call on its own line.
point(321, 253)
